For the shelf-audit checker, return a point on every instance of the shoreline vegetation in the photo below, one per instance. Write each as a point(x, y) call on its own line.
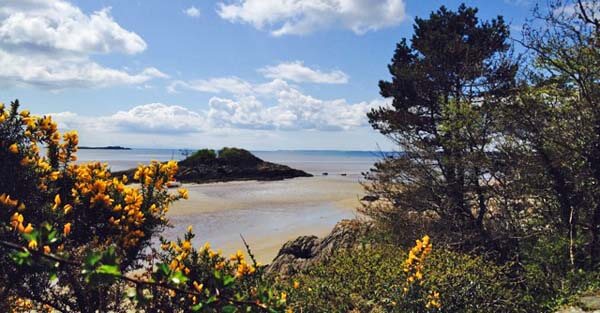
point(225, 165)
point(494, 206)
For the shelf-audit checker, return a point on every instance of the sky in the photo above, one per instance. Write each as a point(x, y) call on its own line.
point(256, 74)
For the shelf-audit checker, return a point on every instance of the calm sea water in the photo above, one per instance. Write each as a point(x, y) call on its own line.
point(352, 163)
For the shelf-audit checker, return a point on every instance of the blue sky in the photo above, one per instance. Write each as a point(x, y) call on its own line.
point(260, 74)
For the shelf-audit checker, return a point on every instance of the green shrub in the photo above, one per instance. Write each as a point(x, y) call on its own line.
point(237, 156)
point(202, 156)
point(372, 279)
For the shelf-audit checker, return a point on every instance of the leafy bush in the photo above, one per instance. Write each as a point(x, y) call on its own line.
point(379, 279)
point(202, 156)
point(73, 238)
point(237, 156)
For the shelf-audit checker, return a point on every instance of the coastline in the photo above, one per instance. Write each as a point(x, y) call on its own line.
point(266, 213)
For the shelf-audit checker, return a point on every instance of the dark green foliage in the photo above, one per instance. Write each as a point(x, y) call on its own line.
point(237, 156)
point(371, 279)
point(202, 156)
point(445, 87)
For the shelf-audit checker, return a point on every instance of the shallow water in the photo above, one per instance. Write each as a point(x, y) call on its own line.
point(267, 213)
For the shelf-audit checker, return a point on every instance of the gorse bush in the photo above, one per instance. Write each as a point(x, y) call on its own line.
point(75, 239)
point(386, 278)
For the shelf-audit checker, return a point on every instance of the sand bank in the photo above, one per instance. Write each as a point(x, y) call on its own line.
point(267, 213)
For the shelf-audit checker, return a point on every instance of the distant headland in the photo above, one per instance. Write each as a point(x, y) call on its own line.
point(104, 148)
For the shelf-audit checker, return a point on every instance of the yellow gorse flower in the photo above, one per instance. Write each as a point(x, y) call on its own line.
point(57, 202)
point(32, 244)
point(67, 229)
point(14, 148)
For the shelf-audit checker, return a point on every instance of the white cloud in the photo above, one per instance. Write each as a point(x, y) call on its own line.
point(292, 111)
point(50, 44)
point(592, 9)
point(60, 73)
point(297, 17)
point(270, 106)
point(214, 85)
point(58, 25)
point(275, 105)
point(158, 117)
point(148, 118)
point(192, 11)
point(298, 72)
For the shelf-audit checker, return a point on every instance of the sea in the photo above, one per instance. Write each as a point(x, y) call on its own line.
point(266, 213)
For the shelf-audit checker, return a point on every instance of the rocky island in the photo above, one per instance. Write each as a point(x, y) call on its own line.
point(104, 148)
point(228, 164)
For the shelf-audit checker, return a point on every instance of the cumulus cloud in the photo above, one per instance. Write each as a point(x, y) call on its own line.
point(192, 12)
point(298, 17)
point(275, 105)
point(292, 111)
point(158, 117)
point(58, 25)
point(50, 43)
point(148, 118)
point(298, 72)
point(60, 73)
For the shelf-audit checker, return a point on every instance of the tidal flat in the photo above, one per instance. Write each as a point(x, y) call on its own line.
point(267, 214)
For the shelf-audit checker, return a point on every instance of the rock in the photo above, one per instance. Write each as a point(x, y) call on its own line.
point(589, 303)
point(585, 304)
point(369, 198)
point(301, 253)
point(571, 310)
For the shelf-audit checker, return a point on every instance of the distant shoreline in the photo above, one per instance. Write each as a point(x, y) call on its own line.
point(105, 148)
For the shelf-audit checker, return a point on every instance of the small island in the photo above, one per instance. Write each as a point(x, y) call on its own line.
point(104, 148)
point(227, 164)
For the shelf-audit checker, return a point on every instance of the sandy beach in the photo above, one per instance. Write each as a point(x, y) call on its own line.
point(267, 214)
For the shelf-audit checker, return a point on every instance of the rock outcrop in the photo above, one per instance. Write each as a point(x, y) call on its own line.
point(585, 304)
point(301, 253)
point(231, 164)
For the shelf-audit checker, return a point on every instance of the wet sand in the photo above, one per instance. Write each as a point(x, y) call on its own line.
point(267, 214)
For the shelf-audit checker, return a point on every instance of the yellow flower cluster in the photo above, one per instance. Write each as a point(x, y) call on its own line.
point(414, 266)
point(157, 174)
point(5, 200)
point(16, 221)
point(242, 267)
point(433, 300)
point(183, 250)
point(126, 208)
point(415, 262)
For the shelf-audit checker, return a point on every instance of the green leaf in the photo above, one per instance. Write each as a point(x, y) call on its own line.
point(229, 309)
point(178, 278)
point(32, 235)
point(228, 280)
point(112, 270)
point(21, 257)
point(164, 269)
point(53, 277)
point(92, 259)
point(197, 307)
point(52, 238)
